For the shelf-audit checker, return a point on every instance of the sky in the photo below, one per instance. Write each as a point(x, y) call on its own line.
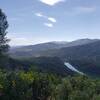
point(38, 21)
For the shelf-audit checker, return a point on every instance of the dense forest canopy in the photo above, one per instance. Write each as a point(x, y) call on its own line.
point(33, 85)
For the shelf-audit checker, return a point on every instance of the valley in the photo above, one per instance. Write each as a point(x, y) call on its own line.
point(84, 54)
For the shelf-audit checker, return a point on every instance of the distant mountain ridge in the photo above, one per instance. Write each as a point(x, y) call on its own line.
point(36, 50)
point(83, 54)
point(85, 57)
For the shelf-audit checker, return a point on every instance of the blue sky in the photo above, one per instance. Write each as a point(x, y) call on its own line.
point(37, 21)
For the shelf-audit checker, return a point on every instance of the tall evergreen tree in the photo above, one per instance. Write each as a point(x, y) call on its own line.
point(3, 39)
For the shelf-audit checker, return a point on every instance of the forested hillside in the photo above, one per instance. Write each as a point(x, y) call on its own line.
point(85, 57)
point(52, 65)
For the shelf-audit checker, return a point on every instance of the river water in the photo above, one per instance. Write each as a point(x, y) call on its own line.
point(68, 65)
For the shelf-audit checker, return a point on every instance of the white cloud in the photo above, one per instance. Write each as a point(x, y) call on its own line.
point(39, 14)
point(52, 19)
point(51, 2)
point(50, 25)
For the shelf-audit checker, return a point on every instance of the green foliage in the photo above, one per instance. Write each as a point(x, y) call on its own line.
point(32, 85)
point(3, 28)
point(3, 39)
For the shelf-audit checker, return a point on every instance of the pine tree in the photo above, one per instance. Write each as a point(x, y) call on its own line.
point(3, 39)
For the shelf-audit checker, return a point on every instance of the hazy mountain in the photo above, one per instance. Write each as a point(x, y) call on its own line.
point(81, 42)
point(31, 50)
point(76, 52)
point(83, 54)
point(38, 49)
point(84, 57)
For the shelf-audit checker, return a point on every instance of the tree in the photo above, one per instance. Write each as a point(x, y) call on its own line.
point(3, 39)
point(41, 88)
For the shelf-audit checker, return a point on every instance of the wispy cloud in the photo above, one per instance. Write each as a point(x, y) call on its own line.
point(85, 9)
point(50, 25)
point(53, 20)
point(39, 14)
point(51, 2)
point(20, 41)
point(81, 10)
